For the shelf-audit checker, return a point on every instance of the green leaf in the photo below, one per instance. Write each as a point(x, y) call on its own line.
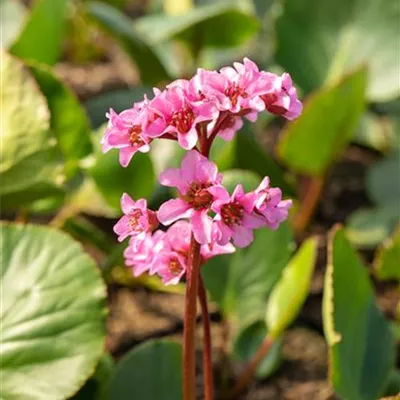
point(198, 26)
point(112, 180)
point(319, 41)
point(12, 14)
point(42, 36)
point(52, 314)
point(30, 165)
point(150, 371)
point(330, 117)
point(386, 262)
point(118, 100)
point(151, 68)
point(249, 180)
point(249, 340)
point(290, 292)
point(97, 386)
point(367, 228)
point(240, 283)
point(68, 120)
point(383, 182)
point(359, 337)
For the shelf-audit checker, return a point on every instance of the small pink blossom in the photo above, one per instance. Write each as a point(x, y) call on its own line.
point(234, 216)
point(179, 116)
point(137, 221)
point(194, 181)
point(282, 98)
point(126, 132)
point(270, 204)
point(142, 253)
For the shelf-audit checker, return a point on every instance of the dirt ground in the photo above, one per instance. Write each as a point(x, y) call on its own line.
point(137, 314)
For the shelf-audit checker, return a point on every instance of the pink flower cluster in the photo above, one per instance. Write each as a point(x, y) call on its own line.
point(193, 112)
point(215, 218)
point(211, 102)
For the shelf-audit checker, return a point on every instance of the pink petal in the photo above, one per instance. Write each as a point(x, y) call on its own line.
point(188, 140)
point(125, 156)
point(206, 171)
point(202, 226)
point(189, 165)
point(127, 204)
point(242, 236)
point(171, 177)
point(172, 210)
point(224, 233)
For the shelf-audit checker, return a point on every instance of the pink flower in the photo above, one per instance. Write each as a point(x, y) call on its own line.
point(234, 216)
point(179, 116)
point(282, 98)
point(137, 221)
point(142, 253)
point(194, 180)
point(126, 132)
point(270, 204)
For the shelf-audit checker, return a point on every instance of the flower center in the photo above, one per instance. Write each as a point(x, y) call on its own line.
point(269, 100)
point(233, 92)
point(135, 138)
point(134, 217)
point(174, 266)
point(232, 213)
point(198, 196)
point(183, 119)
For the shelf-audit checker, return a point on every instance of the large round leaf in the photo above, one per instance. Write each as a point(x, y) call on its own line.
point(320, 40)
point(29, 155)
point(150, 371)
point(52, 314)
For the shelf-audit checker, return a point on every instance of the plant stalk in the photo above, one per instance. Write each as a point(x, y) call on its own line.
point(207, 347)
point(309, 203)
point(189, 330)
point(247, 375)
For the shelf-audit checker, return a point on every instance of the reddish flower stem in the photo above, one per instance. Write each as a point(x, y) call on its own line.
point(247, 375)
point(207, 347)
point(312, 194)
point(189, 330)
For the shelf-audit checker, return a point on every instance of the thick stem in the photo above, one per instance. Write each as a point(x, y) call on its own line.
point(247, 375)
point(206, 149)
point(312, 195)
point(189, 330)
point(207, 347)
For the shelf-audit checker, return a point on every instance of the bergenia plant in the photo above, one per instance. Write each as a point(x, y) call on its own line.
point(205, 220)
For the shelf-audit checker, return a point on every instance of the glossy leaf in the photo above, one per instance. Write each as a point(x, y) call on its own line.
point(29, 165)
point(52, 314)
point(240, 283)
point(361, 344)
point(333, 38)
point(383, 183)
point(151, 68)
point(290, 292)
point(68, 121)
point(150, 371)
point(42, 36)
point(12, 14)
point(248, 342)
point(330, 117)
point(387, 261)
point(198, 26)
point(119, 100)
point(368, 228)
point(138, 179)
